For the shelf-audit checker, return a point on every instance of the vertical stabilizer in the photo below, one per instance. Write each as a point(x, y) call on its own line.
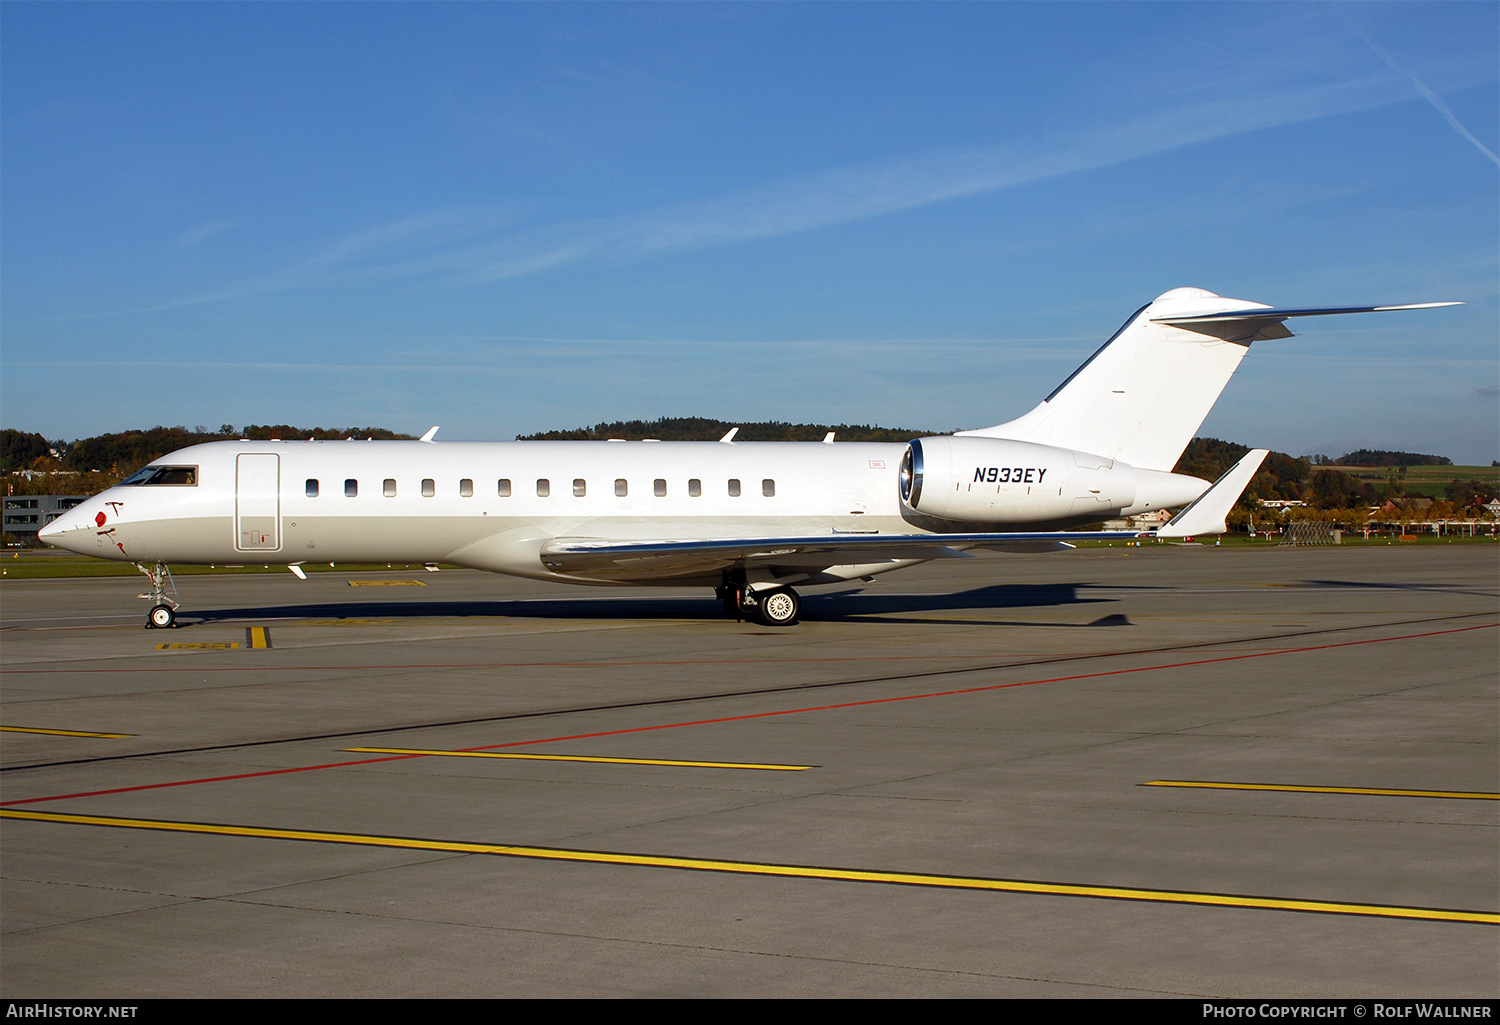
point(1144, 394)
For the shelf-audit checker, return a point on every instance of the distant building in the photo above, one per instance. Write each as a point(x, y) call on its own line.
point(27, 514)
point(1282, 503)
point(1143, 521)
point(1396, 506)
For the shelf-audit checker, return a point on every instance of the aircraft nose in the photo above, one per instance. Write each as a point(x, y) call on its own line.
point(64, 532)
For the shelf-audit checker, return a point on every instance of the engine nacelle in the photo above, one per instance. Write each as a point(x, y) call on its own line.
point(989, 480)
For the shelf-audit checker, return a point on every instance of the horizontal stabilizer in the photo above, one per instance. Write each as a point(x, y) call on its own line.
point(1271, 313)
point(1205, 515)
point(1264, 323)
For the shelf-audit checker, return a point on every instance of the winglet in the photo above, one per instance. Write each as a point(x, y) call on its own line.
point(428, 436)
point(1206, 513)
point(728, 439)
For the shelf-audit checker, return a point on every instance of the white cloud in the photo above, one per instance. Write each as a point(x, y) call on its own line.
point(190, 239)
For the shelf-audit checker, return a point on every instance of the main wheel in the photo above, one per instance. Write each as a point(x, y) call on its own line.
point(161, 617)
point(779, 607)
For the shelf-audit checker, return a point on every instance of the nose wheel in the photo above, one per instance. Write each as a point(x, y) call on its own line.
point(162, 596)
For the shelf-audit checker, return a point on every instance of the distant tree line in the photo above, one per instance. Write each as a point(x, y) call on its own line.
point(105, 459)
point(1326, 491)
point(1383, 457)
point(18, 450)
point(697, 428)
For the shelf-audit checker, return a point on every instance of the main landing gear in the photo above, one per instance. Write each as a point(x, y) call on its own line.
point(163, 597)
point(770, 606)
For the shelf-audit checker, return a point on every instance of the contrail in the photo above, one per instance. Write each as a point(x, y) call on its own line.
point(1432, 98)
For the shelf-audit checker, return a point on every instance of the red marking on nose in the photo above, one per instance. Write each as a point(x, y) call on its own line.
point(99, 519)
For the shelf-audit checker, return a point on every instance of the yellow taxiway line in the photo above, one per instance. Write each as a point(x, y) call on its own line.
point(1471, 795)
point(575, 758)
point(785, 871)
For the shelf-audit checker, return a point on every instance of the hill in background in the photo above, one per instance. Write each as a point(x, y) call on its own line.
point(696, 428)
point(1382, 457)
point(89, 465)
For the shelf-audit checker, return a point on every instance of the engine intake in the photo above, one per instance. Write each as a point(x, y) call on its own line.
point(988, 480)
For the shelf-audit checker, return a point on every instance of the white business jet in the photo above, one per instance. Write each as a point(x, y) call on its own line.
point(751, 520)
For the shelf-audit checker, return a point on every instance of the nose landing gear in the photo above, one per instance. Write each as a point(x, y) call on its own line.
point(163, 596)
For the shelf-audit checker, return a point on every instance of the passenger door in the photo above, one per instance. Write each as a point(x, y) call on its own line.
point(257, 502)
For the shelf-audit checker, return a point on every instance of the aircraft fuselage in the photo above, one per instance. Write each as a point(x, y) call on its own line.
point(492, 505)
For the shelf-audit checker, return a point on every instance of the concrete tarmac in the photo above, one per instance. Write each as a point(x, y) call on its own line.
point(951, 782)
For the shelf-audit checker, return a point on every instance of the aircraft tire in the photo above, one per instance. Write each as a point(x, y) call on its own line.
point(161, 617)
point(779, 607)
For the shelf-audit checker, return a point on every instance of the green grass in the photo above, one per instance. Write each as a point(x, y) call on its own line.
point(1351, 539)
point(46, 565)
point(1421, 481)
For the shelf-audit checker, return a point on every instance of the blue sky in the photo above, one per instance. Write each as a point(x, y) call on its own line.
point(502, 218)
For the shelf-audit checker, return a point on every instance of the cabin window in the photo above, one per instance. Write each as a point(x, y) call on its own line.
point(503, 489)
point(659, 487)
point(466, 488)
point(695, 487)
point(543, 487)
point(389, 487)
point(429, 487)
point(621, 487)
point(312, 487)
point(580, 487)
point(351, 488)
point(768, 488)
point(734, 488)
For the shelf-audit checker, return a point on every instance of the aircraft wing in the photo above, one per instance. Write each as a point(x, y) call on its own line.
point(626, 559)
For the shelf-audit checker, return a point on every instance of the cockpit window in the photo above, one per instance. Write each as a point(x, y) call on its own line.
point(184, 476)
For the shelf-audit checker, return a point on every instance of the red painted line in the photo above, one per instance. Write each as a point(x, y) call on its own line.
point(979, 690)
point(601, 663)
point(208, 779)
point(766, 715)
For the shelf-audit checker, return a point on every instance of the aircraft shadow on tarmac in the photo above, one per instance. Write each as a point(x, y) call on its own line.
point(1382, 586)
point(846, 606)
